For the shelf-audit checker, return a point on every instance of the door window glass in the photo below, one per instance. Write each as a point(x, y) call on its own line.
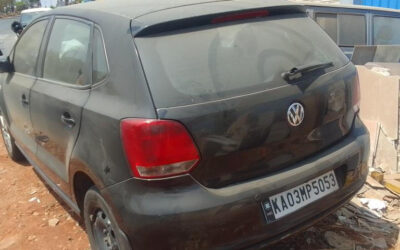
point(386, 30)
point(67, 52)
point(100, 68)
point(344, 29)
point(352, 30)
point(328, 22)
point(27, 49)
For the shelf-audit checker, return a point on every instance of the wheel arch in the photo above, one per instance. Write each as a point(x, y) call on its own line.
point(81, 180)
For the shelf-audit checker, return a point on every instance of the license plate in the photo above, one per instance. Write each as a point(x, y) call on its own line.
point(287, 202)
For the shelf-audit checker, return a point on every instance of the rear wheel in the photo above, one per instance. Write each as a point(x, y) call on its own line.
point(102, 229)
point(12, 149)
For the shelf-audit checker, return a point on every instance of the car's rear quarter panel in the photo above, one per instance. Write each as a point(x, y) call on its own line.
point(98, 151)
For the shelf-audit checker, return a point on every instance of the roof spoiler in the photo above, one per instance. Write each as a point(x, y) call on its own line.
point(140, 30)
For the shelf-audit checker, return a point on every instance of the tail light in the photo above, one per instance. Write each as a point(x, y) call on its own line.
point(356, 94)
point(158, 148)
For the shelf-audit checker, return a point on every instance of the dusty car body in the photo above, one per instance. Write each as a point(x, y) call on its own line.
point(186, 124)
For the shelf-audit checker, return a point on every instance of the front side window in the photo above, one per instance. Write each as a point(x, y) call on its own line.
point(386, 30)
point(27, 50)
point(67, 57)
point(27, 18)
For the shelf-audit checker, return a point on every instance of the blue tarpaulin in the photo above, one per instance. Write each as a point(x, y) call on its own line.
point(394, 4)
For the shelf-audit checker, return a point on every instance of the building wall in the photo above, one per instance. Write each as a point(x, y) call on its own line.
point(48, 3)
point(395, 4)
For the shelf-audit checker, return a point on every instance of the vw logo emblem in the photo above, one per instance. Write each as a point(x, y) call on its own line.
point(295, 114)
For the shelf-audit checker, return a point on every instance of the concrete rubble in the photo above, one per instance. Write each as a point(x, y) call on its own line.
point(358, 225)
point(53, 222)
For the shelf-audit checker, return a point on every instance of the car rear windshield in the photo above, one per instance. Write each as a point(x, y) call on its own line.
point(225, 60)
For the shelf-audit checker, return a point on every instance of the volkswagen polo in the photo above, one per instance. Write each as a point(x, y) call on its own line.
point(186, 124)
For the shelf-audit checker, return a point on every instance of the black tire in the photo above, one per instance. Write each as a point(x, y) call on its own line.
point(13, 151)
point(101, 226)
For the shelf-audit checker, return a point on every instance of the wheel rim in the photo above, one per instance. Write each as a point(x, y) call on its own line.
point(6, 135)
point(103, 231)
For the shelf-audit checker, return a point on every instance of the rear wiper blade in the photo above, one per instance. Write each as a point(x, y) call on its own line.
point(296, 72)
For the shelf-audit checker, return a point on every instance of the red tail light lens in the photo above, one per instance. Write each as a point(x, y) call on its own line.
point(158, 148)
point(356, 94)
point(240, 16)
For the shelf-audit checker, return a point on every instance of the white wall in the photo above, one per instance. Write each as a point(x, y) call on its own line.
point(48, 3)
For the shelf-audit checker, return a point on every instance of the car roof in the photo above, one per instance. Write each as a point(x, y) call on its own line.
point(35, 10)
point(136, 8)
point(348, 6)
point(158, 15)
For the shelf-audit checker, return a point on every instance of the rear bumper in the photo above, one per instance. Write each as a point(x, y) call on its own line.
point(180, 213)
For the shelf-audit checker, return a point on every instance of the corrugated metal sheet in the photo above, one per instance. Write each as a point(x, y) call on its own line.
point(394, 4)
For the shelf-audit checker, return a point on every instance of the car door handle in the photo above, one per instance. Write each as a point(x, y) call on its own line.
point(24, 100)
point(67, 119)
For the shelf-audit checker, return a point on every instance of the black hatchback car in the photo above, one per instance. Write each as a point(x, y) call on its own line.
point(186, 124)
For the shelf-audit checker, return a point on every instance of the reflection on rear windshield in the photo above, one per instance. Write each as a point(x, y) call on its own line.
point(226, 60)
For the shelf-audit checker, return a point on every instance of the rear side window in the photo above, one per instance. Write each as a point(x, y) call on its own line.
point(67, 58)
point(221, 61)
point(386, 30)
point(344, 29)
point(100, 68)
point(27, 49)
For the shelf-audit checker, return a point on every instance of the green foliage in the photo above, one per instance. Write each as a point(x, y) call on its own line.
point(20, 6)
point(6, 4)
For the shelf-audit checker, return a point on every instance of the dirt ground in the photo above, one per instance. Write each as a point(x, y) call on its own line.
point(33, 217)
point(28, 207)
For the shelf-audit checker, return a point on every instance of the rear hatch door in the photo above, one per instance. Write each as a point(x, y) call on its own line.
point(224, 82)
